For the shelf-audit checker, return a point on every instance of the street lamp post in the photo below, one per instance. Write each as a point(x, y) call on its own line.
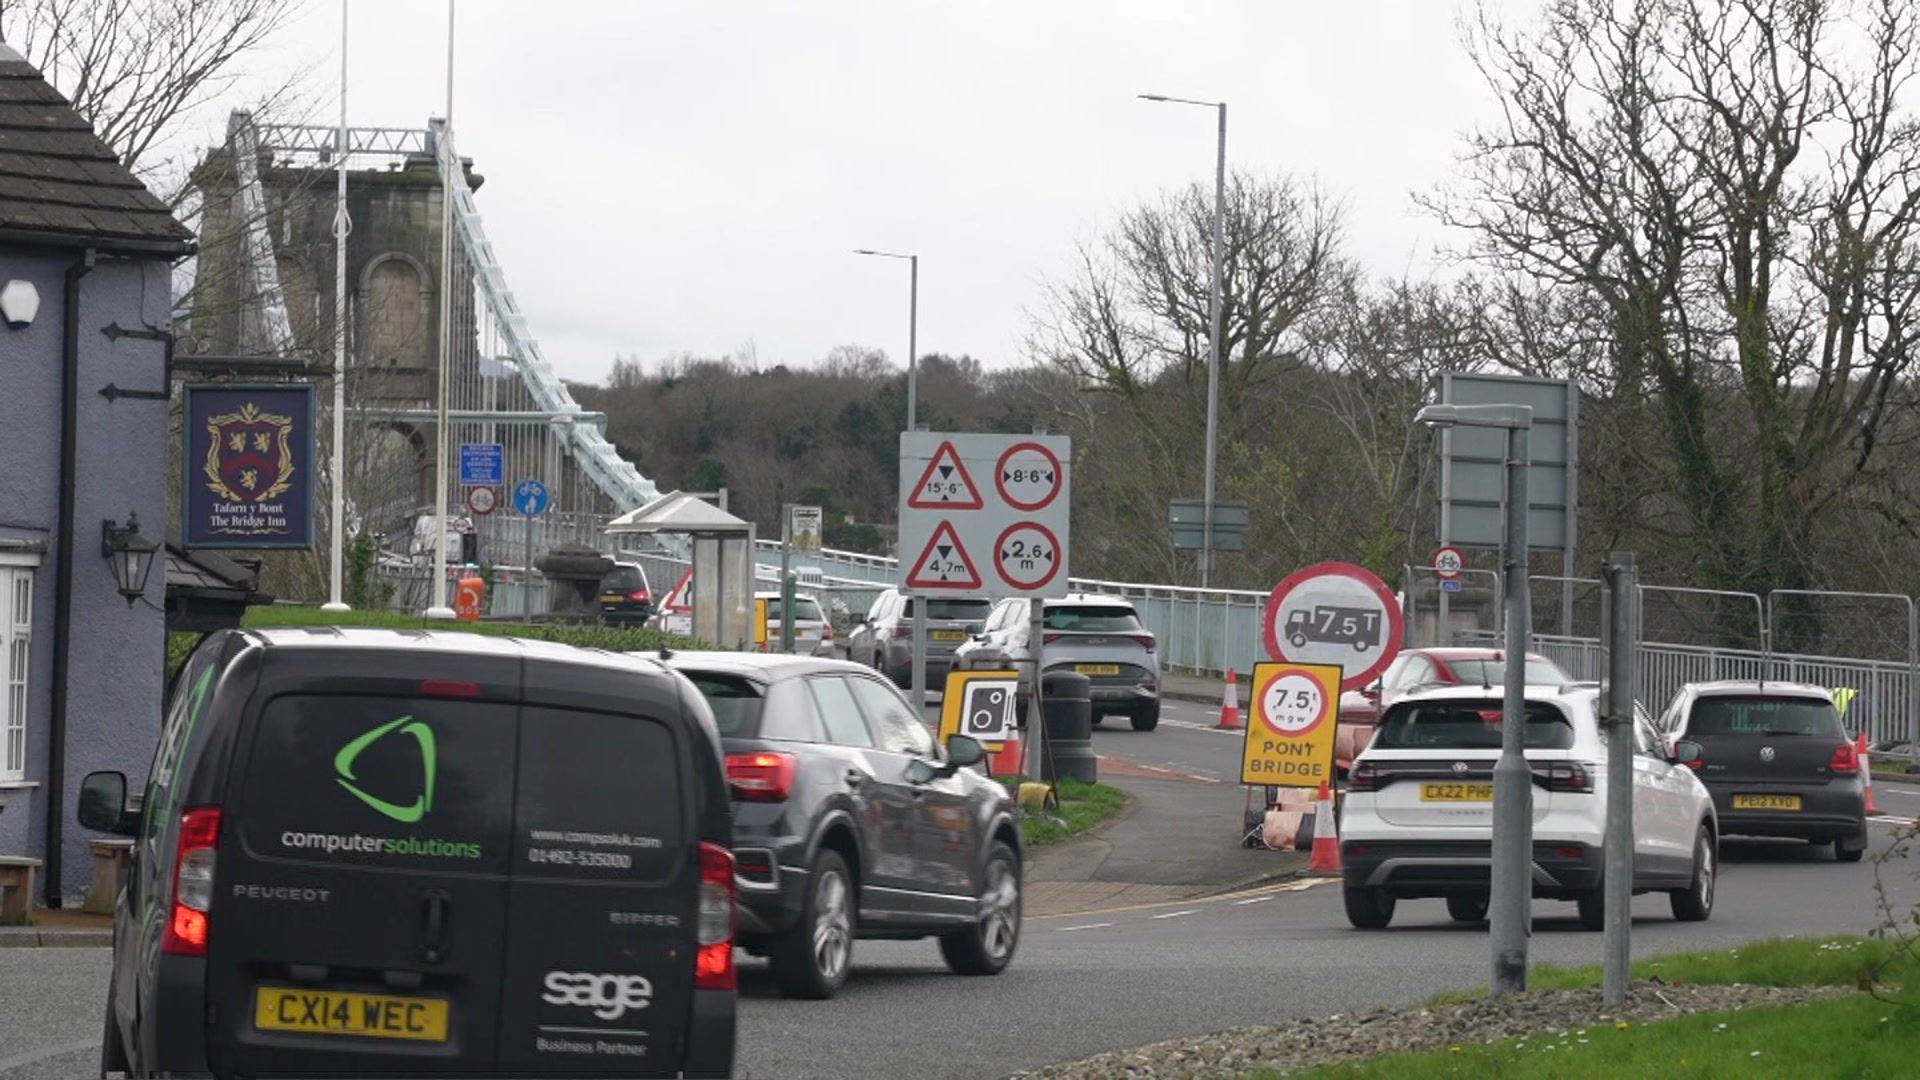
point(1512, 884)
point(919, 662)
point(342, 225)
point(448, 162)
point(913, 331)
point(1213, 320)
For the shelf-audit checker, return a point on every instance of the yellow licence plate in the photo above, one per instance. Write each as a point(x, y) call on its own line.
point(1097, 669)
point(341, 1012)
point(611, 598)
point(949, 635)
point(1766, 802)
point(1456, 792)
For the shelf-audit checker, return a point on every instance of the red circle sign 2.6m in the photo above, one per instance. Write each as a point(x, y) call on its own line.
point(1026, 556)
point(1334, 613)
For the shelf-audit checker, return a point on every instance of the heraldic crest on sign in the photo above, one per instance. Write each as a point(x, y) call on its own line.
point(249, 455)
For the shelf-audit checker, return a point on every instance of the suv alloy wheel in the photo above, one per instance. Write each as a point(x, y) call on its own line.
point(1695, 902)
point(811, 960)
point(986, 947)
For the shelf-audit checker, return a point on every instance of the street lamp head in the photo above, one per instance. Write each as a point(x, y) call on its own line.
point(1152, 97)
point(1492, 416)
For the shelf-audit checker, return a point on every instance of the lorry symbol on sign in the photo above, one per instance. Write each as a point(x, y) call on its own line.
point(1331, 624)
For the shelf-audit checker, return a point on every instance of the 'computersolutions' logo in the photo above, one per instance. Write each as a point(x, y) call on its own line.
point(405, 813)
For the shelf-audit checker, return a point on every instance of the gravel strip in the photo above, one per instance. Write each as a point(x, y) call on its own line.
point(1305, 1044)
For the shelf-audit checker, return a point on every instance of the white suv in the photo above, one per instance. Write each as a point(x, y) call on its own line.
point(1418, 818)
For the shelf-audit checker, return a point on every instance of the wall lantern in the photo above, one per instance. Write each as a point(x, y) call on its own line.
point(130, 553)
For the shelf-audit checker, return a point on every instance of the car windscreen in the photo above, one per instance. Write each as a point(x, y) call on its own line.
point(1091, 618)
point(1760, 715)
point(622, 579)
point(804, 610)
point(1467, 725)
point(1494, 672)
point(736, 703)
point(958, 610)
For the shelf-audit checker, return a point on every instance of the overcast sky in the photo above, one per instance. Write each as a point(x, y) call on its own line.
point(692, 176)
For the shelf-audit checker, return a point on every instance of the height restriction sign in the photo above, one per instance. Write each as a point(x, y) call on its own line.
point(1289, 739)
point(984, 515)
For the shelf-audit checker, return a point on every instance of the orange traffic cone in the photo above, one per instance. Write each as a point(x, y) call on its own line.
point(1866, 772)
point(1326, 836)
point(1230, 703)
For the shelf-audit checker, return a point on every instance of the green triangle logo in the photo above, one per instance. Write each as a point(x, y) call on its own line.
point(406, 813)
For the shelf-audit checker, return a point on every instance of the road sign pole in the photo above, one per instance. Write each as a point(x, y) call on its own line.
point(786, 578)
point(1512, 884)
point(919, 652)
point(1036, 713)
point(526, 566)
point(1623, 651)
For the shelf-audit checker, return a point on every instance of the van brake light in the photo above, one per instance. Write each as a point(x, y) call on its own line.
point(760, 777)
point(186, 929)
point(713, 962)
point(449, 688)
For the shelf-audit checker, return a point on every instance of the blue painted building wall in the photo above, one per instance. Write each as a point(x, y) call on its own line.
point(117, 663)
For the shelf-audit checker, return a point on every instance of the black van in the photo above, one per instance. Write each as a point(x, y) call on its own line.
point(387, 853)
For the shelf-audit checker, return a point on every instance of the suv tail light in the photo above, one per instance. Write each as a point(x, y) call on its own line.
point(759, 777)
point(639, 596)
point(826, 631)
point(1145, 641)
point(1845, 760)
point(1563, 775)
point(713, 962)
point(186, 929)
point(1048, 639)
point(1364, 776)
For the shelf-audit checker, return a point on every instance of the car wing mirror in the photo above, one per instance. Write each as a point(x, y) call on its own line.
point(1686, 752)
point(103, 804)
point(964, 751)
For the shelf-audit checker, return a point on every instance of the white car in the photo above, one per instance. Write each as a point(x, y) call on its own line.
point(1418, 818)
point(812, 633)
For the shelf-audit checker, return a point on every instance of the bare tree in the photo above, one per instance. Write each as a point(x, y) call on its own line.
point(1731, 183)
point(135, 69)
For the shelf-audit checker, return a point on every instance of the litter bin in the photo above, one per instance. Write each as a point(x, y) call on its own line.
point(1067, 701)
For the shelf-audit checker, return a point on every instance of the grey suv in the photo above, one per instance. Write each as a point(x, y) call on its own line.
point(1100, 637)
point(883, 639)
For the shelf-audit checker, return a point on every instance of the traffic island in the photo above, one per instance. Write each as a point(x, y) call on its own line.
point(1785, 1008)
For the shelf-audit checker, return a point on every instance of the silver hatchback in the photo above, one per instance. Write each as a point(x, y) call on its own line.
point(1100, 637)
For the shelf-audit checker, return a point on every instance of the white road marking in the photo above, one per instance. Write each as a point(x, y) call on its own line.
point(1191, 726)
point(1174, 914)
point(1890, 789)
point(1254, 900)
point(1085, 926)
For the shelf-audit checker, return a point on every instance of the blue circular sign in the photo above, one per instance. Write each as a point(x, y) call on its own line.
point(530, 498)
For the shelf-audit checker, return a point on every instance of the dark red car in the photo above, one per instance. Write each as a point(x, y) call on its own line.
point(1414, 669)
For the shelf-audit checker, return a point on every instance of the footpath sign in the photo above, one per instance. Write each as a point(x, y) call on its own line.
point(984, 514)
point(1334, 613)
point(804, 529)
point(1289, 740)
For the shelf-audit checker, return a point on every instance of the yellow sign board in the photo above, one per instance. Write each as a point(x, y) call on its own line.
point(760, 624)
point(1291, 724)
point(982, 705)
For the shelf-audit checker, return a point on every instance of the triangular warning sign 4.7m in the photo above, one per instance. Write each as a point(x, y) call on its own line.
point(944, 564)
point(945, 485)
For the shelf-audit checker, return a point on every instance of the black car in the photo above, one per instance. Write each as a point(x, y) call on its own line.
point(373, 853)
point(850, 822)
point(624, 597)
point(1776, 760)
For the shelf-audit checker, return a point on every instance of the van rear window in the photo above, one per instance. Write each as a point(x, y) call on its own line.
point(1770, 716)
point(1093, 619)
point(1454, 725)
point(599, 797)
point(380, 781)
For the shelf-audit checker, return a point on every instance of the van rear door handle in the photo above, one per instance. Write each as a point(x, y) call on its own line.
point(436, 913)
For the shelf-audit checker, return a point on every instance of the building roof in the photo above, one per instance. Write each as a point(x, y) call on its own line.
point(61, 185)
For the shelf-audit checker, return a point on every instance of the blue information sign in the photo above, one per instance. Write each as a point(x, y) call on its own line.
point(530, 498)
point(482, 464)
point(249, 461)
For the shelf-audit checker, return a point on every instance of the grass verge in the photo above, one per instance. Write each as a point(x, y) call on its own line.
point(1863, 1034)
point(267, 616)
point(1082, 806)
